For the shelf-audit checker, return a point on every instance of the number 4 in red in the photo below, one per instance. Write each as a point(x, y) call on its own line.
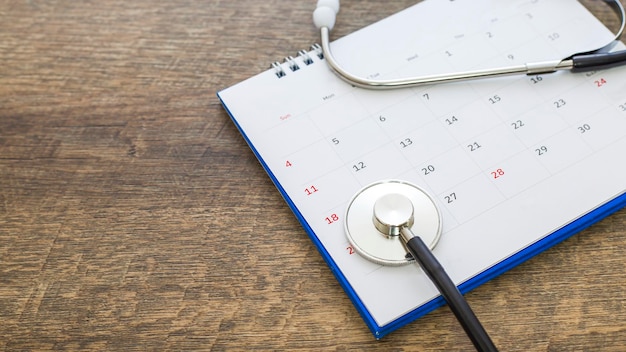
point(287, 163)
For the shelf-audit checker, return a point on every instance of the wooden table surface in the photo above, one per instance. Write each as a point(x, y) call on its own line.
point(133, 216)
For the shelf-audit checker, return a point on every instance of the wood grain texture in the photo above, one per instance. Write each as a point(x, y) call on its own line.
point(133, 216)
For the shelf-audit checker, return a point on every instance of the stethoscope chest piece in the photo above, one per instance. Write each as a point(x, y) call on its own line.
point(378, 212)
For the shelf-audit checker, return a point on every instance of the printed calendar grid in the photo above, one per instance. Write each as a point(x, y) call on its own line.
point(360, 117)
point(353, 160)
point(477, 147)
point(477, 177)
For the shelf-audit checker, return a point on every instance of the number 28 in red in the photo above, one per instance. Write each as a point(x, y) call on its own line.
point(497, 174)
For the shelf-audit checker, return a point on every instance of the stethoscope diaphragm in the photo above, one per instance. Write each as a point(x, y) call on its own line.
point(375, 206)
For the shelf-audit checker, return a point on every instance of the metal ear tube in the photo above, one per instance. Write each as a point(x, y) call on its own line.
point(324, 19)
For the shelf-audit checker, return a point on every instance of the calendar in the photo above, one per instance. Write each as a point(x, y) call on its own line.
point(515, 164)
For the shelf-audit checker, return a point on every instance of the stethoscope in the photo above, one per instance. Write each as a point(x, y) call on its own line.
point(395, 222)
point(326, 12)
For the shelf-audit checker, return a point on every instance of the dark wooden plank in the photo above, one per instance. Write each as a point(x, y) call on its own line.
point(134, 217)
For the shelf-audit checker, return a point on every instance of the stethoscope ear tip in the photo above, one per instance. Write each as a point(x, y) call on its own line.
point(325, 13)
point(333, 4)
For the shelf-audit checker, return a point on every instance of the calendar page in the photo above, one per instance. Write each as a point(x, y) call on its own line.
point(515, 164)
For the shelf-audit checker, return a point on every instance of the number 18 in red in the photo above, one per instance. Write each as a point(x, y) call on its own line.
point(331, 219)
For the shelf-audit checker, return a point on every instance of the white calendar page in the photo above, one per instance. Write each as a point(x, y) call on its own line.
point(516, 164)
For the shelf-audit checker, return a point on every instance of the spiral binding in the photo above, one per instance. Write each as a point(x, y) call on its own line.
point(292, 63)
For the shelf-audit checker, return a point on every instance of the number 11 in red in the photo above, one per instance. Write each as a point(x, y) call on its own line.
point(310, 190)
